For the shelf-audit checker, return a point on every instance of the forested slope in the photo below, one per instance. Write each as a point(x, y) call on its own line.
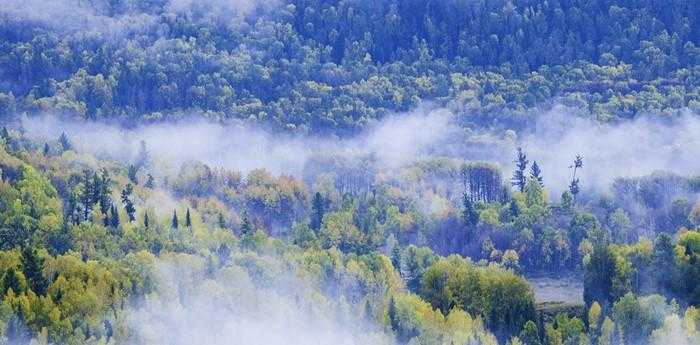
point(335, 66)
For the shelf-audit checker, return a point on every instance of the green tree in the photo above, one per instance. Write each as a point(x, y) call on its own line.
point(469, 213)
point(530, 334)
point(174, 223)
point(536, 173)
point(32, 267)
point(128, 204)
point(319, 209)
point(65, 142)
point(519, 178)
point(598, 276)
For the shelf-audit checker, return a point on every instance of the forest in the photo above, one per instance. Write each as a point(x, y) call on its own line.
point(519, 172)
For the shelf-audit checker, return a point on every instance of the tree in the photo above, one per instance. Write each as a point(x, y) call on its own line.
point(392, 313)
point(87, 195)
point(146, 221)
point(663, 263)
point(519, 179)
point(143, 158)
point(574, 186)
point(150, 181)
point(65, 142)
point(105, 192)
point(60, 242)
point(598, 276)
point(319, 209)
point(188, 218)
point(536, 173)
point(32, 267)
point(530, 334)
point(132, 173)
point(469, 213)
point(128, 204)
point(246, 226)
point(114, 217)
point(174, 223)
point(47, 150)
point(222, 221)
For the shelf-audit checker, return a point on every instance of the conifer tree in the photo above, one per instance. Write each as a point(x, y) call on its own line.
point(175, 223)
point(105, 192)
point(65, 142)
point(150, 181)
point(86, 197)
point(47, 150)
point(246, 227)
point(519, 179)
point(146, 221)
point(32, 267)
point(132, 173)
point(222, 221)
point(188, 218)
point(536, 173)
point(318, 211)
point(469, 213)
point(114, 217)
point(128, 204)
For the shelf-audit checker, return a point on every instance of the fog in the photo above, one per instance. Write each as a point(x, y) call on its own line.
point(117, 20)
point(191, 306)
point(634, 148)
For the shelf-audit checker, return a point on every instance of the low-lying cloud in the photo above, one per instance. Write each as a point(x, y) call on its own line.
point(230, 308)
point(629, 149)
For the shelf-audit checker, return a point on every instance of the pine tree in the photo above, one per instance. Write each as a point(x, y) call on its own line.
point(96, 189)
point(536, 173)
point(175, 222)
point(47, 150)
point(114, 217)
point(222, 221)
point(32, 267)
point(60, 241)
point(65, 142)
point(574, 187)
point(146, 221)
point(188, 218)
point(128, 204)
point(143, 159)
point(318, 211)
point(132, 173)
point(469, 213)
point(105, 193)
point(86, 197)
point(246, 227)
point(519, 179)
point(150, 181)
point(393, 318)
point(513, 208)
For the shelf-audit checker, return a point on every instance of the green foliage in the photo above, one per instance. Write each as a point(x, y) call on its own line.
point(503, 299)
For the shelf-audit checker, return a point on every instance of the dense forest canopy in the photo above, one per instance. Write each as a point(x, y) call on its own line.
point(349, 172)
point(335, 66)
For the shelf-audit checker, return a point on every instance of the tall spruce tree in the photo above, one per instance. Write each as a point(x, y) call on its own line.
point(319, 209)
point(175, 223)
point(65, 142)
point(128, 203)
point(469, 213)
point(188, 218)
point(87, 195)
point(519, 178)
point(536, 173)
